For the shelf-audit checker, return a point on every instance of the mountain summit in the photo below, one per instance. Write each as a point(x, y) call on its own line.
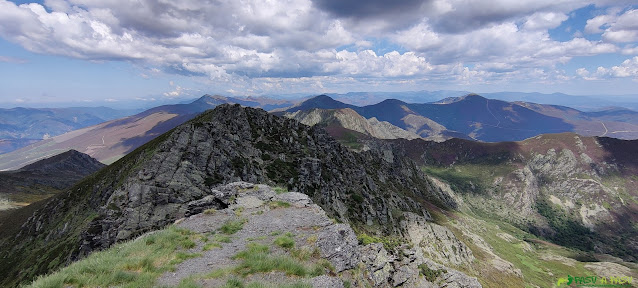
point(153, 186)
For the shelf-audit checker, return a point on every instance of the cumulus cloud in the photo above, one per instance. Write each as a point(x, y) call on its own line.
point(627, 69)
point(615, 27)
point(253, 45)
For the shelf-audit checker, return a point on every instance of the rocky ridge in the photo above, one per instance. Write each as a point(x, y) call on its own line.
point(264, 217)
point(152, 186)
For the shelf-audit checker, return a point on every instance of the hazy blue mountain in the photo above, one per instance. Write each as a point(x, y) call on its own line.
point(479, 118)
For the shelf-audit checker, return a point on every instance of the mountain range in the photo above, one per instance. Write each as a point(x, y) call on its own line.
point(109, 141)
point(468, 117)
point(22, 126)
point(484, 211)
point(478, 118)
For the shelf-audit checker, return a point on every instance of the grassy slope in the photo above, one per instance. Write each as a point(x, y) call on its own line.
point(33, 253)
point(134, 263)
point(541, 263)
point(140, 262)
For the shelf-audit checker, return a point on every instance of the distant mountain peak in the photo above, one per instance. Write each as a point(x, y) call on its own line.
point(212, 99)
point(392, 101)
point(468, 97)
point(70, 160)
point(321, 101)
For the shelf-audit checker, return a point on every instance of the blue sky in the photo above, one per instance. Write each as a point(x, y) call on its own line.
point(112, 51)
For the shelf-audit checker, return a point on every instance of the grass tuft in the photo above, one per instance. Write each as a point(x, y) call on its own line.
point(232, 226)
point(278, 204)
point(285, 241)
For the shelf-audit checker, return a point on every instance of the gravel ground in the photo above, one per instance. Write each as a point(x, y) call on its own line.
point(262, 222)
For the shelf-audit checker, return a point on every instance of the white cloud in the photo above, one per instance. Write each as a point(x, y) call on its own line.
point(367, 63)
point(629, 50)
point(177, 92)
point(615, 27)
point(627, 69)
point(253, 45)
point(544, 20)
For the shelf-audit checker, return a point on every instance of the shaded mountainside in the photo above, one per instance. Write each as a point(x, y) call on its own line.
point(576, 191)
point(111, 140)
point(473, 116)
point(152, 186)
point(45, 177)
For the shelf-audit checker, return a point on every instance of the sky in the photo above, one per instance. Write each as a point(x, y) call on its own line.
point(110, 51)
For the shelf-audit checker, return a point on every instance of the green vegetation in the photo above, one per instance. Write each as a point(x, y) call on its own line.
point(568, 231)
point(285, 241)
point(131, 264)
point(430, 274)
point(258, 259)
point(280, 190)
point(389, 242)
point(532, 256)
point(278, 204)
point(464, 178)
point(232, 226)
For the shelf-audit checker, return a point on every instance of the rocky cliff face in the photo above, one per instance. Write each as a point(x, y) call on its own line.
point(154, 185)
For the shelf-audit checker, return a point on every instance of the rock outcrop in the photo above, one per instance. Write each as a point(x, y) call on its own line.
point(157, 184)
point(311, 229)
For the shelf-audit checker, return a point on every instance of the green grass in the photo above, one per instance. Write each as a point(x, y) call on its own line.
point(285, 241)
point(211, 245)
point(258, 259)
point(222, 238)
point(464, 178)
point(389, 242)
point(534, 269)
point(278, 204)
point(130, 264)
point(232, 226)
point(280, 190)
point(430, 274)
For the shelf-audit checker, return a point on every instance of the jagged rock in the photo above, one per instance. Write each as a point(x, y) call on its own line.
point(437, 242)
point(339, 245)
point(451, 277)
point(153, 186)
point(377, 262)
point(198, 206)
point(295, 198)
point(385, 270)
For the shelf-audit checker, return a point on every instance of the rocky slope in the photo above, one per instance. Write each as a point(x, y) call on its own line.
point(287, 227)
point(151, 187)
point(402, 218)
